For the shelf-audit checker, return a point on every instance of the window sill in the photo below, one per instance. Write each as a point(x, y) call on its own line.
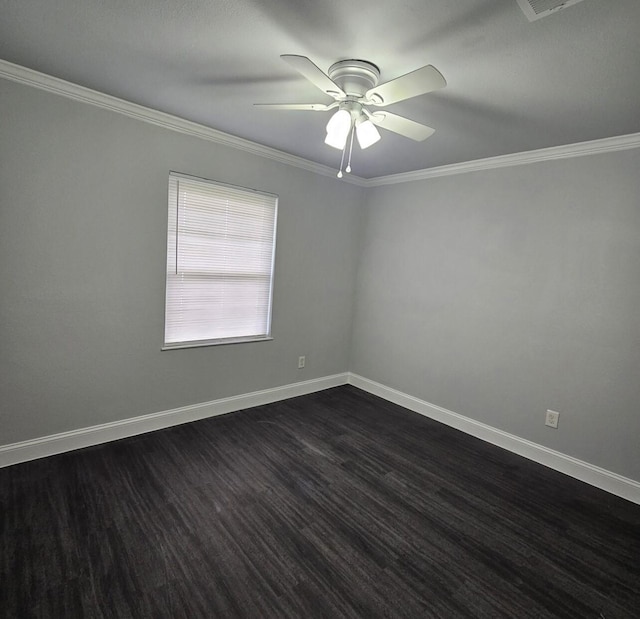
point(222, 342)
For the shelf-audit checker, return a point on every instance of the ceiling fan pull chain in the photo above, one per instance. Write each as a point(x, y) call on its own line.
point(342, 161)
point(348, 168)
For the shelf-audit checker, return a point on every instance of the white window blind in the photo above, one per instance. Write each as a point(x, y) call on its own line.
point(220, 255)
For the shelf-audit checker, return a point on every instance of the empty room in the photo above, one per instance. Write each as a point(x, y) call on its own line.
point(316, 309)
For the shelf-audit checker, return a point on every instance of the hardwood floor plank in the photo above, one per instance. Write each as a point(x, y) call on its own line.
point(335, 504)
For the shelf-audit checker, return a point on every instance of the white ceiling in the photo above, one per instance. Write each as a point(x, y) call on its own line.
point(513, 85)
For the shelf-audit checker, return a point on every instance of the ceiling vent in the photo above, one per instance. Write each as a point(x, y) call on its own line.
point(537, 9)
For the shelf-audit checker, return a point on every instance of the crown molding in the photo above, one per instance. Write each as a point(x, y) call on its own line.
point(593, 147)
point(48, 83)
point(55, 85)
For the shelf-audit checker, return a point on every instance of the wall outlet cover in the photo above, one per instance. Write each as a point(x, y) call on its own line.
point(552, 419)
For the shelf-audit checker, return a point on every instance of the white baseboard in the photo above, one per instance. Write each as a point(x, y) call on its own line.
point(594, 475)
point(103, 433)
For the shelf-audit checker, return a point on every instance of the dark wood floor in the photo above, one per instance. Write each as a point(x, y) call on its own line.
point(336, 504)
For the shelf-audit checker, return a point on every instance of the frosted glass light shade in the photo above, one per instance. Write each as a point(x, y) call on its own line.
point(335, 140)
point(340, 122)
point(338, 129)
point(366, 133)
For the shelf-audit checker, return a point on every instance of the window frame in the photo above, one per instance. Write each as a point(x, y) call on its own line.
point(222, 341)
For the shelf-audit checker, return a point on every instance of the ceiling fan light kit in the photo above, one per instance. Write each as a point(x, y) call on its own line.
point(353, 84)
point(342, 123)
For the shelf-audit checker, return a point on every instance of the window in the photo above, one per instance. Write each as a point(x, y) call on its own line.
point(220, 254)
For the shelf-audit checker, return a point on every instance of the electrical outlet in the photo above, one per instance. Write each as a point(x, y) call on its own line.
point(301, 362)
point(551, 419)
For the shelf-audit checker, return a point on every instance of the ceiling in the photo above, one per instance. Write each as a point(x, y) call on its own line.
point(513, 85)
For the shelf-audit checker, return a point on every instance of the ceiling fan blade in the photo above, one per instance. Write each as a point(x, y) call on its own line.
point(304, 66)
point(412, 84)
point(313, 107)
point(400, 124)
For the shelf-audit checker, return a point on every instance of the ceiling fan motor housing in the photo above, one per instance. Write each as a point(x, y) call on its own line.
point(355, 77)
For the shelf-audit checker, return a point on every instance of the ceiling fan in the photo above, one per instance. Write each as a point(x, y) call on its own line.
point(353, 84)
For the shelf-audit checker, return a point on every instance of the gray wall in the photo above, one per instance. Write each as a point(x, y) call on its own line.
point(83, 201)
point(500, 294)
point(496, 294)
